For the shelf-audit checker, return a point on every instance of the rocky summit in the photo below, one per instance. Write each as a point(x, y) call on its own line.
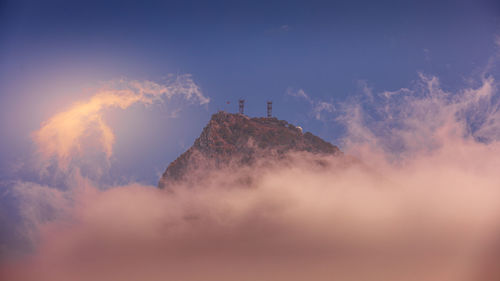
point(237, 140)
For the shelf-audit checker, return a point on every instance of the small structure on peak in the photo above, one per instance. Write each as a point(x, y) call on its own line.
point(241, 103)
point(269, 109)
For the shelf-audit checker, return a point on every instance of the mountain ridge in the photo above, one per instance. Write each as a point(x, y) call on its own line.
point(236, 139)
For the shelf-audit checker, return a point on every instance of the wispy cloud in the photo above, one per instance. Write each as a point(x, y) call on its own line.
point(427, 53)
point(285, 27)
point(409, 121)
point(318, 107)
point(61, 138)
point(281, 29)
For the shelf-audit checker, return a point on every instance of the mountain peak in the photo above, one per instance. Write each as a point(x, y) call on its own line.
point(236, 139)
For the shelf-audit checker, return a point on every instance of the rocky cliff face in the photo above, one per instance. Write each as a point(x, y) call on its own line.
point(237, 140)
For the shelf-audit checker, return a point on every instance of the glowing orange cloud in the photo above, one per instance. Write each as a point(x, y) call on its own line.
point(61, 137)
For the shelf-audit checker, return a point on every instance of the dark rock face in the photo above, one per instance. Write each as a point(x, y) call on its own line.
point(235, 139)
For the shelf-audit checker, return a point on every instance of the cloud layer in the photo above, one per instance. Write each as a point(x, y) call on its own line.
point(297, 221)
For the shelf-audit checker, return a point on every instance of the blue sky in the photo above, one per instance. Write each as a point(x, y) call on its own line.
point(52, 51)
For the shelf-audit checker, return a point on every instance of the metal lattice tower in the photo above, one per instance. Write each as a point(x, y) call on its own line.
point(241, 104)
point(269, 109)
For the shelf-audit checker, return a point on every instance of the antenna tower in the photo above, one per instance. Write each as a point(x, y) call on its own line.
point(241, 104)
point(269, 109)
